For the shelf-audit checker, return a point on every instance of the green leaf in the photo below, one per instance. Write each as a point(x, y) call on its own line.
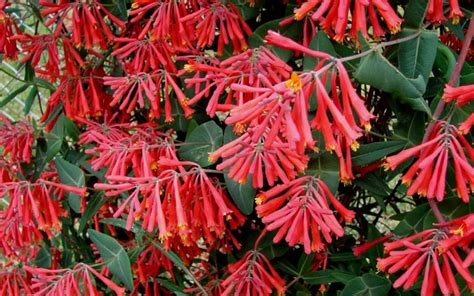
point(412, 221)
point(320, 42)
point(30, 99)
point(117, 7)
point(416, 56)
point(368, 284)
point(13, 94)
point(377, 71)
point(326, 166)
point(292, 31)
point(71, 174)
point(445, 61)
point(114, 256)
point(243, 195)
point(248, 12)
point(92, 207)
point(415, 12)
point(328, 276)
point(368, 153)
point(43, 258)
point(203, 140)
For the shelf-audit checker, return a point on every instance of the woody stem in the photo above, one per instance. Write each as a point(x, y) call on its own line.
point(441, 104)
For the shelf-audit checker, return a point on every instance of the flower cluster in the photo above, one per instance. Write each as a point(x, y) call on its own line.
point(8, 29)
point(334, 15)
point(301, 212)
point(436, 12)
point(435, 252)
point(427, 175)
point(16, 140)
point(253, 275)
point(75, 281)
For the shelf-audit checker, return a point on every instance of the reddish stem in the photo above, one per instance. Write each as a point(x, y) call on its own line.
point(257, 242)
point(441, 104)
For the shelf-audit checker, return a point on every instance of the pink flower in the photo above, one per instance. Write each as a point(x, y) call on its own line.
point(253, 275)
point(300, 211)
point(427, 175)
point(67, 281)
point(461, 94)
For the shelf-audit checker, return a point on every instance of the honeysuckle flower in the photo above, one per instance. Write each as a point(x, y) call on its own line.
point(68, 281)
point(465, 127)
point(14, 280)
point(333, 16)
point(145, 54)
point(16, 235)
point(254, 67)
point(87, 21)
point(226, 17)
point(423, 253)
point(164, 22)
point(253, 275)
point(362, 248)
point(453, 41)
point(435, 12)
point(33, 202)
point(427, 175)
point(461, 233)
point(16, 140)
point(8, 29)
point(267, 157)
point(180, 203)
point(131, 90)
point(301, 213)
point(461, 94)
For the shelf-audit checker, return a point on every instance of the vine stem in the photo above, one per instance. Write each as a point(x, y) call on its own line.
point(441, 104)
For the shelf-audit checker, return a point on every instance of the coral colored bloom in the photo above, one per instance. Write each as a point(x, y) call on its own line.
point(301, 213)
point(8, 29)
point(68, 281)
point(88, 25)
point(421, 253)
point(362, 248)
point(435, 12)
point(461, 94)
point(215, 15)
point(253, 275)
point(427, 175)
point(334, 16)
point(16, 140)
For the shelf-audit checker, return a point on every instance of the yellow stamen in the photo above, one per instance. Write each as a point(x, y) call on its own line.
point(355, 146)
point(294, 83)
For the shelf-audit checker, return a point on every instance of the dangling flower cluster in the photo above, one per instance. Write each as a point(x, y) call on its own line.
point(300, 211)
point(135, 86)
point(435, 11)
point(334, 16)
point(254, 67)
point(121, 148)
point(266, 157)
point(215, 15)
point(76, 281)
point(253, 274)
point(16, 140)
point(434, 253)
point(427, 175)
point(84, 19)
point(14, 280)
point(185, 205)
point(8, 29)
point(81, 94)
point(35, 203)
point(150, 264)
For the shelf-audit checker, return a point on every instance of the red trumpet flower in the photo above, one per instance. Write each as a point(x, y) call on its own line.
point(300, 210)
point(253, 275)
point(425, 252)
point(461, 94)
point(16, 140)
point(435, 11)
point(427, 176)
point(8, 29)
point(334, 15)
point(88, 27)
